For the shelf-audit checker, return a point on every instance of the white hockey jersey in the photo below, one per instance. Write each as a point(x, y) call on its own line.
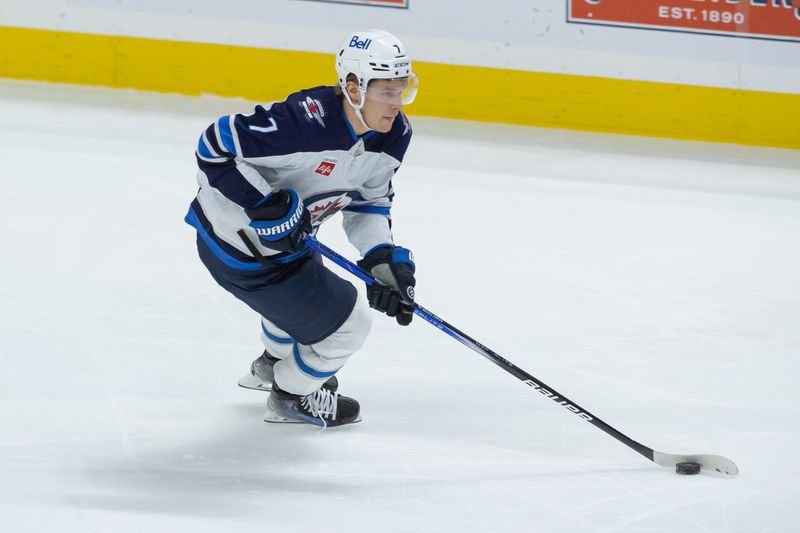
point(304, 143)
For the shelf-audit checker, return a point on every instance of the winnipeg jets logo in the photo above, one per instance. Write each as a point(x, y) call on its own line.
point(326, 208)
point(314, 110)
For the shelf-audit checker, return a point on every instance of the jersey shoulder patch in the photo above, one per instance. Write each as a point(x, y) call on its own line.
point(314, 107)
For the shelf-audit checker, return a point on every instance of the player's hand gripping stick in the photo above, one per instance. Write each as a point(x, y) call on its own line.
point(393, 269)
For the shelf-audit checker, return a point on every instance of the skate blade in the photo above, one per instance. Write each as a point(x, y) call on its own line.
point(274, 418)
point(254, 383)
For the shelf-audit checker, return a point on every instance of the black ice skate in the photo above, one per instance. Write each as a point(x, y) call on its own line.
point(323, 408)
point(261, 375)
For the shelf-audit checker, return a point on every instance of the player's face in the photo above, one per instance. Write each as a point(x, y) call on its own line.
point(383, 102)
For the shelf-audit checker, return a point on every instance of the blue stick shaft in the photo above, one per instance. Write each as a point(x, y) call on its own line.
point(477, 347)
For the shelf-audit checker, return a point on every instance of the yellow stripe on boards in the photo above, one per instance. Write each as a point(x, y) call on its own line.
point(609, 105)
point(157, 65)
point(448, 91)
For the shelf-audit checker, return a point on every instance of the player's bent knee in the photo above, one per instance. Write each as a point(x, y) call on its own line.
point(361, 323)
point(351, 334)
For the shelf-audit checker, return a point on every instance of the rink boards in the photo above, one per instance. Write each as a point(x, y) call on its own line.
point(451, 91)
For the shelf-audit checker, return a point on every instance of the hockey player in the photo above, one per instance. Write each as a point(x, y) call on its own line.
point(278, 174)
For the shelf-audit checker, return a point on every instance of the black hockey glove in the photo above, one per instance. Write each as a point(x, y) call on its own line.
point(281, 221)
point(393, 267)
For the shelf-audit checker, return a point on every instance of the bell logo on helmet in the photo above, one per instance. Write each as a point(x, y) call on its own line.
point(373, 55)
point(361, 45)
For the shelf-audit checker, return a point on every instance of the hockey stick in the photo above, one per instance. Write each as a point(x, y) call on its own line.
point(715, 462)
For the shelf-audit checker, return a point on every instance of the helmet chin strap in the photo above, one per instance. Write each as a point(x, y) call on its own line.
point(361, 118)
point(357, 109)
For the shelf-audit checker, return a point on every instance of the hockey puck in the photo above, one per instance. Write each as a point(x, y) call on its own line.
point(687, 469)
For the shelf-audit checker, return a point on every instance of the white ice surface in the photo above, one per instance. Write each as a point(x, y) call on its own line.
point(656, 283)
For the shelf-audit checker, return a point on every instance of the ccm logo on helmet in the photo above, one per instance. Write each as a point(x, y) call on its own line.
point(361, 45)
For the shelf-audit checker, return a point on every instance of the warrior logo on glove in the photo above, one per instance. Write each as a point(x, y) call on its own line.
point(281, 221)
point(284, 227)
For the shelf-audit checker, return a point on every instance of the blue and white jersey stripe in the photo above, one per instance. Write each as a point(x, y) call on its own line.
point(225, 135)
point(206, 152)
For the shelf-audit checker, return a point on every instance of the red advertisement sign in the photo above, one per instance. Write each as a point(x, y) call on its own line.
point(762, 19)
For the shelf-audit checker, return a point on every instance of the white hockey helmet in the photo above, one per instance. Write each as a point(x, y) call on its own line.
point(374, 55)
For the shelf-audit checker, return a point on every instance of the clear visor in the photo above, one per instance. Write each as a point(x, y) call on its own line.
point(397, 91)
